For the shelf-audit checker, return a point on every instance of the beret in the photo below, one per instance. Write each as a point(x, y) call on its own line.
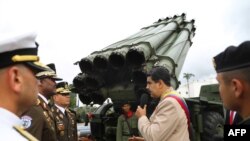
point(233, 58)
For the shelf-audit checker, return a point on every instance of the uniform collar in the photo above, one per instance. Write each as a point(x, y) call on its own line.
point(44, 98)
point(9, 118)
point(60, 108)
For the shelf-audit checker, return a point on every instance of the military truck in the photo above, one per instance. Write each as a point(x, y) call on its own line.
point(118, 72)
point(207, 114)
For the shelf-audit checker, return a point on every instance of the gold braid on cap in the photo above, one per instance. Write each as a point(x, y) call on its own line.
point(24, 58)
point(59, 90)
point(46, 73)
point(41, 65)
point(62, 90)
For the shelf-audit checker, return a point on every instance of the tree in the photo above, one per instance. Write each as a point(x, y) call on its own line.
point(187, 76)
point(72, 100)
point(72, 97)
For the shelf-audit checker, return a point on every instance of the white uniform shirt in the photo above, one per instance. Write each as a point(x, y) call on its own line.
point(7, 121)
point(60, 108)
point(44, 98)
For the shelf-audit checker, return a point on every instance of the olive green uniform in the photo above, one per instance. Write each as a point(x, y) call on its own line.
point(39, 121)
point(66, 124)
point(122, 131)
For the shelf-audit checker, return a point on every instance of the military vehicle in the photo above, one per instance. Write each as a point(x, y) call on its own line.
point(207, 114)
point(118, 72)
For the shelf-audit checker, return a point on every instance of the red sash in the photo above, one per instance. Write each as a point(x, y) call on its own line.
point(183, 106)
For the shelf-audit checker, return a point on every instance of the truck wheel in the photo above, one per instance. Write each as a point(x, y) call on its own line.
point(213, 124)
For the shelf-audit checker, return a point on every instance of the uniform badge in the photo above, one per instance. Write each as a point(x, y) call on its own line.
point(61, 133)
point(60, 126)
point(26, 121)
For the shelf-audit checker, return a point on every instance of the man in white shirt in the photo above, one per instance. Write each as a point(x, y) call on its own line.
point(18, 66)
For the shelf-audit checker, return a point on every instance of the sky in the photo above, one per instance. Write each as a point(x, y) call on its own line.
point(69, 30)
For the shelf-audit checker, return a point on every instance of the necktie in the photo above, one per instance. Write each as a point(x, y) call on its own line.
point(231, 117)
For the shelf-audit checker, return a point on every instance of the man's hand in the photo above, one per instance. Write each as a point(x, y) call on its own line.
point(141, 111)
point(134, 138)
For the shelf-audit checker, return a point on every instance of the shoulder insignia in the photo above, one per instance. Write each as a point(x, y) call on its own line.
point(60, 126)
point(24, 133)
point(61, 133)
point(26, 121)
point(38, 102)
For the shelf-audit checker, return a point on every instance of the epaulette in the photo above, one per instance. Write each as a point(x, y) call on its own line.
point(24, 133)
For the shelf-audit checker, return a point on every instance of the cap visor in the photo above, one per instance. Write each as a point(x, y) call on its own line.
point(37, 66)
point(57, 79)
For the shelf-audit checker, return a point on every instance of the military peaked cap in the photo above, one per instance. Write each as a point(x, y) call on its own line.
point(52, 66)
point(22, 48)
point(49, 73)
point(62, 87)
